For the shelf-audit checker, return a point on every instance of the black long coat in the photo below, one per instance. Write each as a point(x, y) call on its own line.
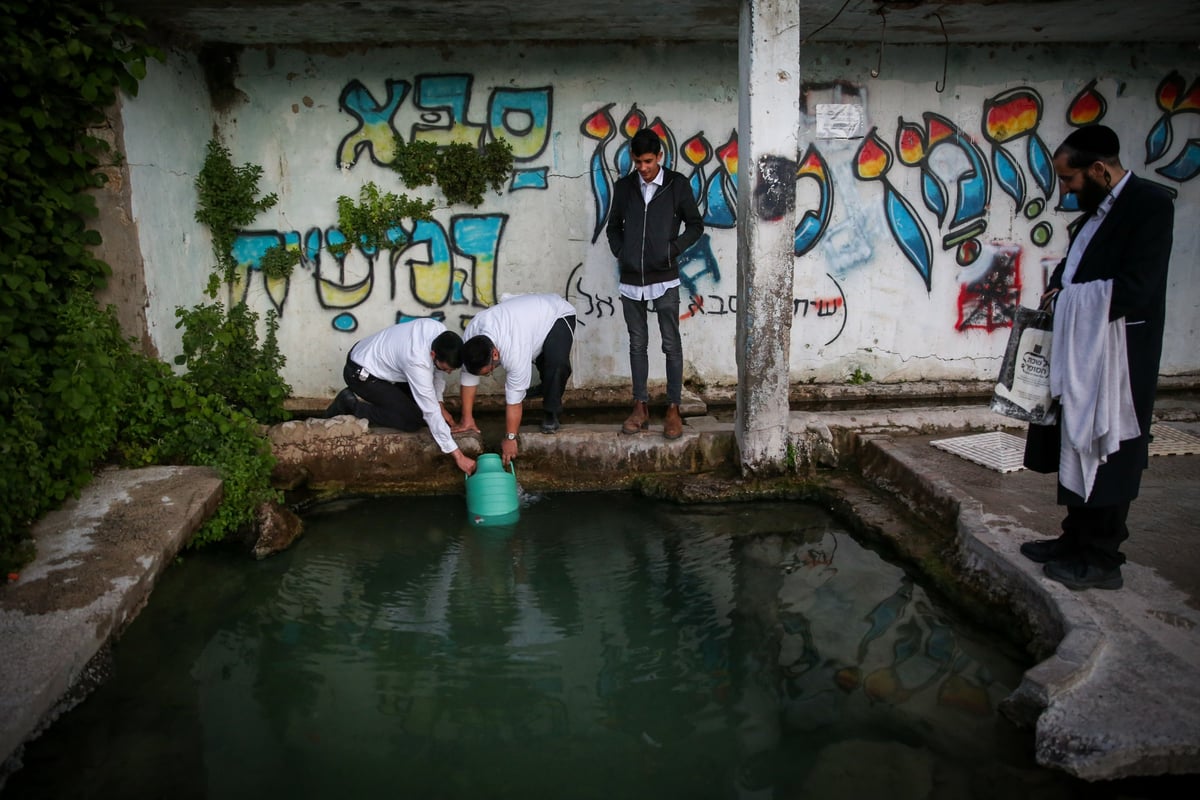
point(1132, 247)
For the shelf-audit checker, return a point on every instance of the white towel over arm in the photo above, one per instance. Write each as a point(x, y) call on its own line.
point(1089, 372)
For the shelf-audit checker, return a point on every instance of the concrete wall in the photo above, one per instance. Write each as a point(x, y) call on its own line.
point(166, 129)
point(940, 306)
point(882, 284)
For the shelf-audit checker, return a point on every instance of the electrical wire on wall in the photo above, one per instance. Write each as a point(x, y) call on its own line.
point(882, 41)
point(941, 87)
point(832, 20)
point(892, 5)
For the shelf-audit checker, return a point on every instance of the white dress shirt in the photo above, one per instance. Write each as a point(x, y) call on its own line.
point(401, 354)
point(518, 326)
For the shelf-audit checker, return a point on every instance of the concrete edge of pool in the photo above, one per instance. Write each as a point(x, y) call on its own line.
point(1117, 695)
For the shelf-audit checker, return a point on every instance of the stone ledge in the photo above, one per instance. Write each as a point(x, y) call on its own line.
point(98, 557)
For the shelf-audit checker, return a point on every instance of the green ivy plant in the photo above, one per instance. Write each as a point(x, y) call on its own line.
point(415, 161)
point(168, 420)
point(61, 398)
point(278, 262)
point(221, 351)
point(74, 392)
point(368, 222)
point(227, 202)
point(462, 172)
point(224, 358)
point(859, 377)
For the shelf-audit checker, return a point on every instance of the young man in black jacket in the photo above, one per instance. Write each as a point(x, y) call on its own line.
point(649, 206)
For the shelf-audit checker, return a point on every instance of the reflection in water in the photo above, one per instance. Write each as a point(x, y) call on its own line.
point(604, 646)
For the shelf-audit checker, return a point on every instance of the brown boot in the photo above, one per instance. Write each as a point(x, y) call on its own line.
point(673, 424)
point(639, 420)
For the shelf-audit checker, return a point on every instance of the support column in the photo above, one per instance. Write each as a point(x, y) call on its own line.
point(768, 145)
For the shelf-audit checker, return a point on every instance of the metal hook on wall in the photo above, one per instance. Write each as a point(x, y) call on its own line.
point(882, 39)
point(941, 87)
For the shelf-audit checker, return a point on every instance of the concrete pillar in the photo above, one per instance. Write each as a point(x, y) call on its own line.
point(768, 146)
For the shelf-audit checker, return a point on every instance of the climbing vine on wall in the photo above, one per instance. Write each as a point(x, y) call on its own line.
point(62, 65)
point(462, 172)
point(368, 222)
point(74, 392)
point(227, 202)
point(221, 348)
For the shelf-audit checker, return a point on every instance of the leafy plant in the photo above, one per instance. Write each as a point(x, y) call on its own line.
point(859, 377)
point(169, 421)
point(63, 64)
point(415, 161)
point(376, 216)
point(221, 351)
point(462, 172)
point(228, 201)
point(278, 262)
point(223, 358)
point(74, 392)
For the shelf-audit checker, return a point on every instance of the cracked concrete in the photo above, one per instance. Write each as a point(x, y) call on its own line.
point(1115, 693)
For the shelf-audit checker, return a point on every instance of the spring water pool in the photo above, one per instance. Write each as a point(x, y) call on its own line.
point(604, 646)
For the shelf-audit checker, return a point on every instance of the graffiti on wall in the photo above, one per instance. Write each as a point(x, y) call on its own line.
point(1173, 99)
point(421, 260)
point(953, 199)
point(962, 178)
point(989, 290)
point(814, 221)
point(521, 116)
point(711, 172)
point(824, 310)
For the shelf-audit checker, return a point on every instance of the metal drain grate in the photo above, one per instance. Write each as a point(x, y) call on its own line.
point(996, 450)
point(1004, 452)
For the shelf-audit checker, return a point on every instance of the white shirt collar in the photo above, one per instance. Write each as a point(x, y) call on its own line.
point(1107, 203)
point(658, 179)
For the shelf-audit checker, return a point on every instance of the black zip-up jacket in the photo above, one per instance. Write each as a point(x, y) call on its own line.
point(645, 238)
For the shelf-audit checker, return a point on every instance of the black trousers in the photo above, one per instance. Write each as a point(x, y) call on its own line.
point(1097, 533)
point(383, 403)
point(554, 362)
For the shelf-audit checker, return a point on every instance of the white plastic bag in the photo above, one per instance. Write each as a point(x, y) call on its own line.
point(1023, 387)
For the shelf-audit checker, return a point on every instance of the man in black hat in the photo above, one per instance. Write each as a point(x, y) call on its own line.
point(1119, 257)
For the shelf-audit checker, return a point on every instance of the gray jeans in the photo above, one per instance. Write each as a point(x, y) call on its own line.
point(666, 308)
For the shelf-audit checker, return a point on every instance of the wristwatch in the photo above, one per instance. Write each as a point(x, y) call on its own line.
point(510, 436)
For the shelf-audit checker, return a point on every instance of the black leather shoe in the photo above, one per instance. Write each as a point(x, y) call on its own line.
point(1079, 574)
point(1044, 550)
point(345, 403)
point(550, 422)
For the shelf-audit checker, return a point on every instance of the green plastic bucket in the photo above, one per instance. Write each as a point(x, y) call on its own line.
point(492, 492)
